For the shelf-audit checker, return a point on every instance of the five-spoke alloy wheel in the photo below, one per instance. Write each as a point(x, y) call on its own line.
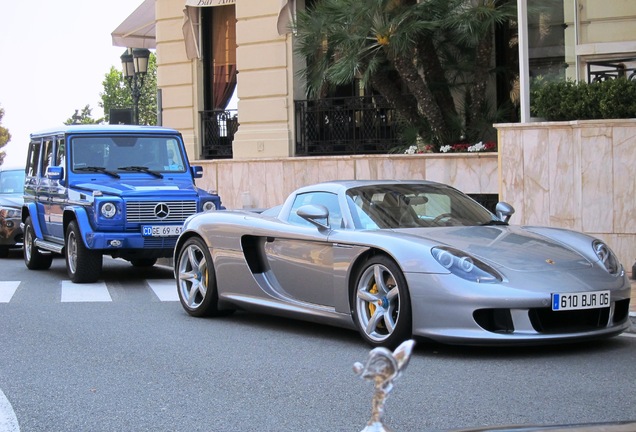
point(196, 280)
point(381, 304)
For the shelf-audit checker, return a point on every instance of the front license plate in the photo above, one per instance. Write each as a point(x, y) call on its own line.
point(161, 230)
point(576, 301)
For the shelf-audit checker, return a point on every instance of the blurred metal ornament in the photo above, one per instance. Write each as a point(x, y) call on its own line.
point(383, 367)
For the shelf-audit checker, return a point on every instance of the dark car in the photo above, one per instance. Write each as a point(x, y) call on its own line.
point(11, 187)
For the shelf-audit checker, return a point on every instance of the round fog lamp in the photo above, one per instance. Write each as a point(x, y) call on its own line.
point(109, 210)
point(208, 206)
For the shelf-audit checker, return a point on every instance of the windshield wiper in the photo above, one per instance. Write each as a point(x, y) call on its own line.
point(98, 169)
point(494, 222)
point(141, 169)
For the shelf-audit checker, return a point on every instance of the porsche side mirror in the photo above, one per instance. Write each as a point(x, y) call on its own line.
point(316, 214)
point(504, 211)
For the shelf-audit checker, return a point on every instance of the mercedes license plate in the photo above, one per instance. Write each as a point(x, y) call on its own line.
point(161, 230)
point(582, 300)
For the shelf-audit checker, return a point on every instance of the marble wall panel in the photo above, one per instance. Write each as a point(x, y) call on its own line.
point(592, 177)
point(564, 155)
point(624, 163)
point(511, 168)
point(596, 179)
point(536, 182)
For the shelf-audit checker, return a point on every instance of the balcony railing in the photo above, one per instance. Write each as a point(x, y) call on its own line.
point(611, 69)
point(345, 126)
point(218, 128)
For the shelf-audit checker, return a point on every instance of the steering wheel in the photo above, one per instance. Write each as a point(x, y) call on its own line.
point(441, 217)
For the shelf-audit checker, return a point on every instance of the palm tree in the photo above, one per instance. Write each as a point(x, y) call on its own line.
point(431, 60)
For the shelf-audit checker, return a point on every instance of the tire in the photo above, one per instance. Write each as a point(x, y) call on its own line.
point(196, 280)
point(33, 258)
point(381, 311)
point(82, 264)
point(143, 262)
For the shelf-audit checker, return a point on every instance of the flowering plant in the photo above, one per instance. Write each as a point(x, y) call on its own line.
point(479, 147)
point(416, 149)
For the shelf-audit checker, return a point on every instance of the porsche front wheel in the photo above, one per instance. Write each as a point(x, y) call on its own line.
point(381, 304)
point(196, 279)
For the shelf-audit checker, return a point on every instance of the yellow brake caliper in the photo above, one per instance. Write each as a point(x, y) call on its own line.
point(372, 306)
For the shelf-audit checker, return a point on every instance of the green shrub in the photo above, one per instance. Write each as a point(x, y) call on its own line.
point(569, 100)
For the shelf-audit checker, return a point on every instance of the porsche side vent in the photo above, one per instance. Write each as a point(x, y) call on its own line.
point(545, 320)
point(494, 320)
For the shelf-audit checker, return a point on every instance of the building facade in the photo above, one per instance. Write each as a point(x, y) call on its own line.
point(228, 79)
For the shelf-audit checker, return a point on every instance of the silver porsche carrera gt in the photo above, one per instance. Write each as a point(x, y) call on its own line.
point(401, 259)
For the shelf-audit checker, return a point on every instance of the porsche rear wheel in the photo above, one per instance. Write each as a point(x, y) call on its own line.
point(196, 279)
point(381, 303)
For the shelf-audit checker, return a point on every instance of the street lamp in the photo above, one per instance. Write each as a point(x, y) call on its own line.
point(134, 62)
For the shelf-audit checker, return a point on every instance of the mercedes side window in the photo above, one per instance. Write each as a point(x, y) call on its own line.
point(48, 155)
point(34, 158)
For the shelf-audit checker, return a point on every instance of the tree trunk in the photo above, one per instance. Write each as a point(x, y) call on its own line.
point(435, 78)
point(481, 77)
point(405, 106)
point(427, 105)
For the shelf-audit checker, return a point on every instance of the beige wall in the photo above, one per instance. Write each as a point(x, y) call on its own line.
point(265, 182)
point(579, 175)
point(177, 76)
point(265, 91)
point(606, 30)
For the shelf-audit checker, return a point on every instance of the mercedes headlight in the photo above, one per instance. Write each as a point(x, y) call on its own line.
point(465, 266)
point(109, 210)
point(607, 257)
point(209, 206)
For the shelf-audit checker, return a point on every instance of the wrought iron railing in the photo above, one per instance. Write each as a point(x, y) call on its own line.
point(217, 129)
point(345, 126)
point(611, 69)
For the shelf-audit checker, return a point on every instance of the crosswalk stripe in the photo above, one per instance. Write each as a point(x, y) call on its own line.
point(164, 289)
point(7, 289)
point(90, 292)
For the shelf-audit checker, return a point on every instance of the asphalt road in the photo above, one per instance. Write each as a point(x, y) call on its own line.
point(134, 361)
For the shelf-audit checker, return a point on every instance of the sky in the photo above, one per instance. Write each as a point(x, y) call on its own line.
point(53, 59)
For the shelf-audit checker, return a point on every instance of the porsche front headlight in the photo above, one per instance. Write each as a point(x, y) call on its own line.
point(607, 257)
point(465, 266)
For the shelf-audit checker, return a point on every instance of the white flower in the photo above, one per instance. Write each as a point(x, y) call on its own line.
point(477, 147)
point(445, 149)
point(411, 150)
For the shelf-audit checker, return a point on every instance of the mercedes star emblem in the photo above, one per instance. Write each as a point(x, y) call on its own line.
point(162, 210)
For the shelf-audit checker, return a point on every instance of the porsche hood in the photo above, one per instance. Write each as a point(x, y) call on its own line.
point(511, 247)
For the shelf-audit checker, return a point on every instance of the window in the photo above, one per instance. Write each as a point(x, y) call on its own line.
point(329, 200)
point(33, 159)
point(47, 159)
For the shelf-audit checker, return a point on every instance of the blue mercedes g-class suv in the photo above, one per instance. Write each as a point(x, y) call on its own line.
point(94, 190)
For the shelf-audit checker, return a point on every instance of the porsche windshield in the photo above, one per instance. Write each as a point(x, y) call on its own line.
point(414, 205)
point(112, 154)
